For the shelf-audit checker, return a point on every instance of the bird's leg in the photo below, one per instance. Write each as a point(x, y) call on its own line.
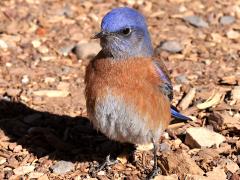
point(155, 169)
point(108, 162)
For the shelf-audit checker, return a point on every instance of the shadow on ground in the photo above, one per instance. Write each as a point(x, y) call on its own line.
point(59, 137)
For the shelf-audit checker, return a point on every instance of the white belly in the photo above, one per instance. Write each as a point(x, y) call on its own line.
point(122, 122)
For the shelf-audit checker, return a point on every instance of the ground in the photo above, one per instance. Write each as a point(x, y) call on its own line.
point(45, 46)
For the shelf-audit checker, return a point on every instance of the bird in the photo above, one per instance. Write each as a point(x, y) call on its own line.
point(128, 90)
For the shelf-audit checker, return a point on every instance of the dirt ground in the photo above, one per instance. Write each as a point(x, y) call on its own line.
point(45, 46)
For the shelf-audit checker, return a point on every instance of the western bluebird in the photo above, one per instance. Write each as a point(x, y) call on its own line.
point(128, 91)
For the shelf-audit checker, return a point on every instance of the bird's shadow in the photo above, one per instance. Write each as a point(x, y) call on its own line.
point(56, 136)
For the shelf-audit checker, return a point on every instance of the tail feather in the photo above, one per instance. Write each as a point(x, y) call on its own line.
point(178, 115)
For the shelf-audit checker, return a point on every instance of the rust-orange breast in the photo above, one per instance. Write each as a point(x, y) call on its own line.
point(135, 80)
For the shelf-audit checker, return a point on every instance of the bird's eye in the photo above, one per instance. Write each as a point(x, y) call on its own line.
point(126, 31)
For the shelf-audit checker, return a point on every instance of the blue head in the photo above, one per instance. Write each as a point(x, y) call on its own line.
point(124, 34)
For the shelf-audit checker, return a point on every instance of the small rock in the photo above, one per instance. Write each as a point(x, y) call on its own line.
point(208, 155)
point(182, 79)
point(66, 50)
point(177, 142)
point(62, 167)
point(231, 34)
point(174, 162)
point(236, 93)
point(49, 80)
point(51, 93)
point(101, 173)
point(195, 177)
point(3, 44)
point(25, 79)
point(196, 21)
point(36, 43)
point(229, 165)
point(13, 92)
point(226, 20)
point(24, 169)
point(144, 147)
point(171, 46)
point(2, 160)
point(86, 50)
point(198, 137)
point(34, 175)
point(164, 147)
point(17, 149)
point(8, 64)
point(43, 49)
point(238, 145)
point(217, 174)
point(43, 177)
point(122, 159)
point(170, 177)
point(63, 86)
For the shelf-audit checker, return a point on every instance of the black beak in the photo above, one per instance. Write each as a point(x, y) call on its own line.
point(99, 35)
point(102, 34)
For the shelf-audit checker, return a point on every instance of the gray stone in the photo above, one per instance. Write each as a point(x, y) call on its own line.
point(164, 147)
point(171, 46)
point(196, 21)
point(182, 79)
point(226, 20)
point(65, 50)
point(86, 50)
point(62, 167)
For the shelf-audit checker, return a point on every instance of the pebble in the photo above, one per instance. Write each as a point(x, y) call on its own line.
point(13, 92)
point(236, 93)
point(35, 175)
point(43, 177)
point(25, 79)
point(226, 20)
point(2, 160)
point(199, 137)
point(66, 50)
point(36, 43)
point(3, 44)
point(63, 86)
point(51, 93)
point(62, 167)
point(24, 169)
point(196, 21)
point(164, 147)
point(17, 149)
point(231, 166)
point(43, 49)
point(231, 34)
point(49, 80)
point(86, 50)
point(216, 174)
point(182, 79)
point(171, 46)
point(170, 177)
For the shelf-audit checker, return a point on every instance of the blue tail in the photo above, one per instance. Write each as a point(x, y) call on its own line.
point(178, 115)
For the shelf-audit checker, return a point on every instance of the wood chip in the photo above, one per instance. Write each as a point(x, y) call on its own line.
point(212, 101)
point(187, 100)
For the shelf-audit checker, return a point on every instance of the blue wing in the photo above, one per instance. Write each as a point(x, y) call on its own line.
point(178, 115)
point(167, 89)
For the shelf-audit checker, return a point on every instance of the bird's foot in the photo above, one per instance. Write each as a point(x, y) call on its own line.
point(154, 173)
point(108, 162)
